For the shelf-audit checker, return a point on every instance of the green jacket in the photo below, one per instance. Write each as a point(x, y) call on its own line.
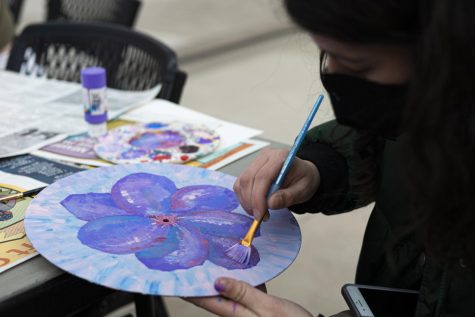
point(357, 169)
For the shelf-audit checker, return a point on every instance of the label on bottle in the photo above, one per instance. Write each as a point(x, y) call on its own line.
point(95, 105)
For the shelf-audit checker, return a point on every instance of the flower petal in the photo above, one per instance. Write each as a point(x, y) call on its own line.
point(143, 193)
point(91, 206)
point(185, 247)
point(203, 198)
point(219, 223)
point(217, 253)
point(122, 234)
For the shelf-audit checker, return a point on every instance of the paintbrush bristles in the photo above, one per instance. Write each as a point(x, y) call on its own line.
point(239, 253)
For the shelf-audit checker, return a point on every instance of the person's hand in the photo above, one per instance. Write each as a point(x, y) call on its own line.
point(252, 185)
point(240, 299)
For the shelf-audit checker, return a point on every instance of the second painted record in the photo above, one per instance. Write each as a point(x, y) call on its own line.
point(174, 142)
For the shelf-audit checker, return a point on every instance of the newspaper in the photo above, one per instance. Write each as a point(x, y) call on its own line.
point(39, 111)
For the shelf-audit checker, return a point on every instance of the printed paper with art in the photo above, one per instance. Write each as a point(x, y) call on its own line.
point(159, 229)
point(14, 245)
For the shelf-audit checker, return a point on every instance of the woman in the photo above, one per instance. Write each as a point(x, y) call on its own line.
point(401, 77)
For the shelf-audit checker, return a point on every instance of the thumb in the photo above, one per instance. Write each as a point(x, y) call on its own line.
point(282, 198)
point(241, 292)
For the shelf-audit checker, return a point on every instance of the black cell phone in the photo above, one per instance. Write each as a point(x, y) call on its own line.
point(374, 301)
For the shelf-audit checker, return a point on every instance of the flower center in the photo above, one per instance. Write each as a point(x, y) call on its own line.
point(167, 220)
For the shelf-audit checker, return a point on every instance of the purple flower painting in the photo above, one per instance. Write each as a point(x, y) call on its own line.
point(167, 228)
point(158, 229)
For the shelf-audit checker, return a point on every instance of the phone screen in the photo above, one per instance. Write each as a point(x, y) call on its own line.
point(385, 303)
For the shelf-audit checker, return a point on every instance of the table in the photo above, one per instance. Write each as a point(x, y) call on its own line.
point(36, 284)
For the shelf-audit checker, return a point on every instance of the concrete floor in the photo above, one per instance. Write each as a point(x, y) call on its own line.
point(246, 63)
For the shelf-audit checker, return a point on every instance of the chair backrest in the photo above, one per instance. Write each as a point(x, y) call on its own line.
point(15, 8)
point(133, 61)
point(122, 12)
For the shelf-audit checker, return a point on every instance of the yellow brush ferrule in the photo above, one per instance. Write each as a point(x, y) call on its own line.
point(247, 240)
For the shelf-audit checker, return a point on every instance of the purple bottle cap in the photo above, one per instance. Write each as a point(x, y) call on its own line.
point(93, 77)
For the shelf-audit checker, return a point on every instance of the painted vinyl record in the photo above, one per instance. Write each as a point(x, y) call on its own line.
point(160, 229)
point(174, 142)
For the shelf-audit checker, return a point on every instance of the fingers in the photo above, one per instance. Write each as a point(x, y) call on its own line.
point(244, 294)
point(240, 299)
point(245, 182)
point(301, 184)
point(253, 184)
point(287, 196)
point(221, 306)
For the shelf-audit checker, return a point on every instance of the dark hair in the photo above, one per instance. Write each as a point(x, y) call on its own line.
point(363, 21)
point(441, 108)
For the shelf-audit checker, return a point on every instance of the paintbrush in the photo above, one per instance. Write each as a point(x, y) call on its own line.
point(241, 252)
point(21, 195)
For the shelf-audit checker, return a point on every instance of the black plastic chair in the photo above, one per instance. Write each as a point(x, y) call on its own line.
point(133, 61)
point(15, 8)
point(122, 12)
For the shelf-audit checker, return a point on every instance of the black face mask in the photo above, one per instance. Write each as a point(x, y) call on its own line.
point(366, 105)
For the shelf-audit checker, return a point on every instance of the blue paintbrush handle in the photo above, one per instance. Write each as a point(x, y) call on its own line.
point(274, 187)
point(293, 151)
